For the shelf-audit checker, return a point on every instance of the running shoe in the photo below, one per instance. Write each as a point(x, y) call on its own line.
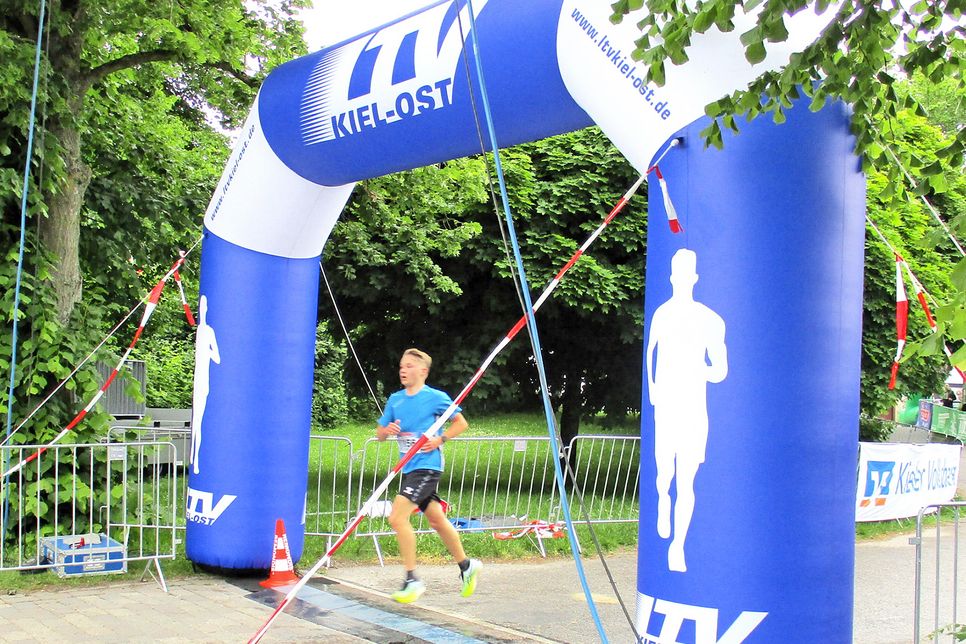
point(410, 591)
point(469, 576)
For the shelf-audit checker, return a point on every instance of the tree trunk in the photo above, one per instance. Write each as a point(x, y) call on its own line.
point(60, 229)
point(571, 409)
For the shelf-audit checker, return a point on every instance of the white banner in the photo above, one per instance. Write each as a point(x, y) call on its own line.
point(896, 479)
point(263, 205)
point(597, 67)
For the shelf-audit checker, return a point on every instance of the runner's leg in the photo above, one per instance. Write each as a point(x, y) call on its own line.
point(447, 533)
point(399, 519)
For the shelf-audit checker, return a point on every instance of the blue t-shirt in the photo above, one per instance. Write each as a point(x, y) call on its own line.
point(416, 414)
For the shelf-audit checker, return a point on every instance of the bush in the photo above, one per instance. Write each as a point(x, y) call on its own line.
point(170, 367)
point(49, 493)
point(365, 409)
point(330, 401)
point(875, 430)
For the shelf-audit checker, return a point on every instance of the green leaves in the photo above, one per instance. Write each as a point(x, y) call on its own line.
point(755, 53)
point(704, 19)
point(958, 276)
point(420, 261)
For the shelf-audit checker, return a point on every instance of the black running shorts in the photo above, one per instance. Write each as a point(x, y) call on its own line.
point(419, 486)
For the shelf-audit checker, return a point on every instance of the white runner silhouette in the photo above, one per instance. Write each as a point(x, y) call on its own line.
point(206, 352)
point(690, 342)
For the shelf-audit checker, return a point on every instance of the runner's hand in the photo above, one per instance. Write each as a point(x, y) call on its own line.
point(392, 429)
point(433, 443)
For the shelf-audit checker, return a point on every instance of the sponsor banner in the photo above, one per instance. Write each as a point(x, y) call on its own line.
point(949, 422)
point(896, 480)
point(924, 420)
point(747, 516)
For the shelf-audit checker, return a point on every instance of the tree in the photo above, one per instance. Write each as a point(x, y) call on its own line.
point(384, 261)
point(591, 330)
point(911, 230)
point(451, 292)
point(943, 101)
point(127, 154)
point(204, 49)
point(855, 59)
point(124, 162)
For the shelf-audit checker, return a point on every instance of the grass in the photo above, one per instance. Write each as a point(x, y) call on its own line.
point(876, 530)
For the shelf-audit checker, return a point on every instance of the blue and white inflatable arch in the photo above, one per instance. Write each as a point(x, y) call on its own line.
point(747, 528)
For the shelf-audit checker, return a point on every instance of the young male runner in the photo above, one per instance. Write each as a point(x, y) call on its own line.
point(408, 414)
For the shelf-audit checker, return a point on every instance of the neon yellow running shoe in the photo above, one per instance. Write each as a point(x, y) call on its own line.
point(469, 577)
point(410, 591)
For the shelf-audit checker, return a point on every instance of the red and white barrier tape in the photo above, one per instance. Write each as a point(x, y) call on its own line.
point(672, 214)
point(539, 529)
point(921, 295)
point(184, 300)
point(902, 321)
point(150, 304)
point(930, 320)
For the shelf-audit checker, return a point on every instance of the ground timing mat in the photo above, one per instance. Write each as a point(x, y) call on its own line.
point(372, 617)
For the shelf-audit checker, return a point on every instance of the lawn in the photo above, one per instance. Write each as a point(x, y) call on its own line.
point(499, 473)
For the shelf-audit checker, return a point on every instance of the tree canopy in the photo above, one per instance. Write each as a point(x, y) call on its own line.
point(126, 156)
point(560, 189)
point(857, 58)
point(115, 81)
point(131, 140)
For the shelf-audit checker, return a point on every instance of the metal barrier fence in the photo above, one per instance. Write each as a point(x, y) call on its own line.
point(329, 501)
point(176, 434)
point(124, 491)
point(608, 473)
point(132, 488)
point(506, 484)
point(946, 576)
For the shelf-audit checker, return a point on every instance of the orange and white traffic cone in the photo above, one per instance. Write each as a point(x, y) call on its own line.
point(283, 570)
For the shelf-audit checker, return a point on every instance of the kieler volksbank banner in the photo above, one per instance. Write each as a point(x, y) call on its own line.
point(897, 480)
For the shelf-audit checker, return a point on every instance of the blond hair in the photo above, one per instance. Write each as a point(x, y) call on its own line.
point(419, 355)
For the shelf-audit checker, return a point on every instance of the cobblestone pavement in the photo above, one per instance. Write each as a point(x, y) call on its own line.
point(531, 601)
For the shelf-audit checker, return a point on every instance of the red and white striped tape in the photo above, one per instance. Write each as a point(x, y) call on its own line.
point(921, 294)
point(184, 300)
point(672, 214)
point(930, 320)
point(150, 304)
point(902, 321)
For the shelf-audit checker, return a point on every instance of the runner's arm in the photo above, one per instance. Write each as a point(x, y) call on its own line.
point(457, 426)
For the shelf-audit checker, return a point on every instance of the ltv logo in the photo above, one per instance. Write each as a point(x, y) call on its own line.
point(202, 507)
point(402, 71)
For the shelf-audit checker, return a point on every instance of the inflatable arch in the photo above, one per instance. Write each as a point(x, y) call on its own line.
point(746, 514)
